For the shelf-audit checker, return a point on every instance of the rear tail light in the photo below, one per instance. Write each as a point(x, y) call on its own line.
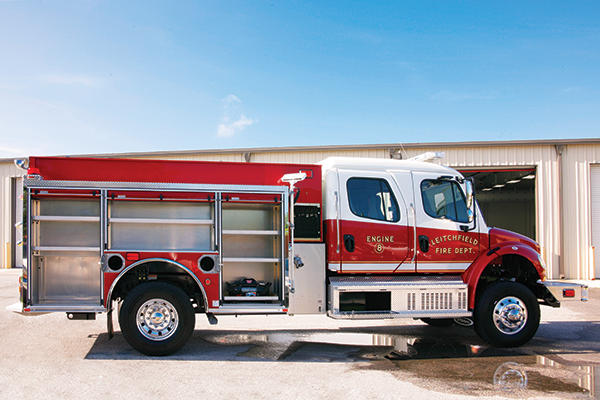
point(568, 293)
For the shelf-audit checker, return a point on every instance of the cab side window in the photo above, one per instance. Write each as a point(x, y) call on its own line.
point(444, 199)
point(372, 198)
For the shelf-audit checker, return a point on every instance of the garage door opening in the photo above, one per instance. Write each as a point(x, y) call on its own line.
point(507, 198)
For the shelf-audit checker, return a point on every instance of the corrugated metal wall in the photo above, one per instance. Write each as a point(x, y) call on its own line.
point(8, 171)
point(575, 232)
point(577, 229)
point(544, 159)
point(300, 157)
point(595, 210)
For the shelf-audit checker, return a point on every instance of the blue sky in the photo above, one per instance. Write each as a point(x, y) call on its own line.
point(82, 77)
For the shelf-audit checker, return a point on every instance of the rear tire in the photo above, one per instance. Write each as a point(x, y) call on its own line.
point(507, 314)
point(157, 318)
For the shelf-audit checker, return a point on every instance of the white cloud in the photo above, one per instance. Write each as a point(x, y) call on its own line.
point(234, 121)
point(231, 100)
point(228, 129)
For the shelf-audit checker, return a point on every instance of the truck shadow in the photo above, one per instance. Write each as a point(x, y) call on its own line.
point(352, 344)
point(453, 357)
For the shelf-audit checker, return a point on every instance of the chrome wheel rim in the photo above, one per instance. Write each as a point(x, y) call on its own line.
point(157, 319)
point(510, 315)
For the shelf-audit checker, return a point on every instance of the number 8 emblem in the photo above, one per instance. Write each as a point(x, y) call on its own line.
point(379, 248)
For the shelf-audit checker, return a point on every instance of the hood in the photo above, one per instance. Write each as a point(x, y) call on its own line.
point(498, 236)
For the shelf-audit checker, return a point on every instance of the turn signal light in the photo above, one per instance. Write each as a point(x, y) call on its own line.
point(568, 292)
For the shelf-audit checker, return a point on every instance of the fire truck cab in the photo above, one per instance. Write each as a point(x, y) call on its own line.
point(350, 238)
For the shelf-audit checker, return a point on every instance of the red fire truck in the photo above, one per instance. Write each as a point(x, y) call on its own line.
point(352, 238)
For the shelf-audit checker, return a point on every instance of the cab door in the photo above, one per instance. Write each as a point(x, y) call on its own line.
point(374, 231)
point(447, 241)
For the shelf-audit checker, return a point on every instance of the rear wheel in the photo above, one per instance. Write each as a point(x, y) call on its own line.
point(157, 318)
point(507, 314)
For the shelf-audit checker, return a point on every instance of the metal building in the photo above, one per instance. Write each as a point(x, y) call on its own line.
point(546, 189)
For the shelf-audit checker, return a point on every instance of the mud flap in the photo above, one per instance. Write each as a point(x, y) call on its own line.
point(109, 323)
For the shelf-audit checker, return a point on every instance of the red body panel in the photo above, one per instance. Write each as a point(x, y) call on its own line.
point(168, 171)
point(502, 242)
point(188, 260)
point(450, 246)
point(374, 243)
point(499, 237)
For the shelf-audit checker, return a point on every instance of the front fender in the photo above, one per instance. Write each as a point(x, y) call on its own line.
point(473, 273)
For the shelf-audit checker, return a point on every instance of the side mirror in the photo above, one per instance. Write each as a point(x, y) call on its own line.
point(470, 194)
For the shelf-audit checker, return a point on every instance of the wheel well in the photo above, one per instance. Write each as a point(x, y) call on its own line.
point(510, 267)
point(161, 271)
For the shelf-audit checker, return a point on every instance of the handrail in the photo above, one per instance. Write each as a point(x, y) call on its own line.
point(414, 213)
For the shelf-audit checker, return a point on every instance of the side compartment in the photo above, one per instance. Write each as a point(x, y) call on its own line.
point(308, 296)
point(370, 297)
point(253, 243)
point(65, 254)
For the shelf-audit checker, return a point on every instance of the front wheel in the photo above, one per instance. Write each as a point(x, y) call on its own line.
point(507, 314)
point(157, 318)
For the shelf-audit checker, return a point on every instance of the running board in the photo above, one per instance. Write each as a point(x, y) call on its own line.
point(369, 297)
point(49, 308)
point(239, 309)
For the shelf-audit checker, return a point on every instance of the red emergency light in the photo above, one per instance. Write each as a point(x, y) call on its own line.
point(568, 292)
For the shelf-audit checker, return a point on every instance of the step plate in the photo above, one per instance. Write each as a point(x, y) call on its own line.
point(410, 297)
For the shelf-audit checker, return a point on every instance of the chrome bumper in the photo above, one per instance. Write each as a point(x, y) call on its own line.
point(567, 291)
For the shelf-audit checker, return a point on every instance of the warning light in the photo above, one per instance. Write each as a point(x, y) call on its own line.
point(207, 282)
point(568, 292)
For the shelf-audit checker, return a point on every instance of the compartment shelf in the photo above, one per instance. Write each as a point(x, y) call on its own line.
point(65, 248)
point(63, 218)
point(161, 221)
point(250, 298)
point(251, 259)
point(251, 232)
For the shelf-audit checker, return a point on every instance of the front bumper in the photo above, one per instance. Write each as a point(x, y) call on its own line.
point(567, 291)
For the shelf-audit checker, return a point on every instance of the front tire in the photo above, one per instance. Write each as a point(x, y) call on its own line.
point(507, 314)
point(157, 318)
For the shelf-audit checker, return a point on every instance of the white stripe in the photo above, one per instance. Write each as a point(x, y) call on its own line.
point(421, 267)
point(385, 267)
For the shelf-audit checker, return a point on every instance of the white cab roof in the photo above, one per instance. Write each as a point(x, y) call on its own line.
point(382, 164)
